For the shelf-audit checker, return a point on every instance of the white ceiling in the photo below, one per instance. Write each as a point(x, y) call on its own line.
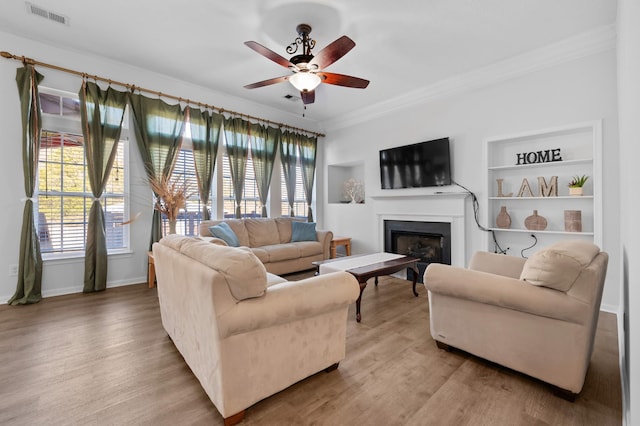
point(401, 45)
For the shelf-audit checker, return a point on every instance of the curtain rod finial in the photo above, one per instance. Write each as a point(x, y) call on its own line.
point(6, 55)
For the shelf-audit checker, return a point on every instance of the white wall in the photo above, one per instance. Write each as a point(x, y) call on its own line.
point(572, 92)
point(60, 277)
point(629, 111)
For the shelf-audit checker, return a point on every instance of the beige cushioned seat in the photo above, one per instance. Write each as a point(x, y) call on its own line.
point(536, 316)
point(270, 241)
point(245, 333)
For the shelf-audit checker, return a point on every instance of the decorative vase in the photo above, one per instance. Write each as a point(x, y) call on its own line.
point(577, 190)
point(503, 220)
point(535, 222)
point(172, 226)
point(573, 220)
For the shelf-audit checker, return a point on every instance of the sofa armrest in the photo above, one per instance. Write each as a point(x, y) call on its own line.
point(500, 264)
point(504, 292)
point(325, 238)
point(290, 301)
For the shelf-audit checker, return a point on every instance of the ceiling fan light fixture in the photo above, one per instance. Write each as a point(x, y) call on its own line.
point(305, 81)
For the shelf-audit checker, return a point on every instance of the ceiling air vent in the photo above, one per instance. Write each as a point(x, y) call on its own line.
point(44, 13)
point(291, 98)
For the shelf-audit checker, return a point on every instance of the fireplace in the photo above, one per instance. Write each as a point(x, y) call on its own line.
point(428, 241)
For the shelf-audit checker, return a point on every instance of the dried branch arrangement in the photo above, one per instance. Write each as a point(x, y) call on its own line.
point(172, 195)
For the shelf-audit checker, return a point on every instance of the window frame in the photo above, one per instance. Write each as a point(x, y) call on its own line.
point(246, 200)
point(72, 125)
point(183, 222)
point(300, 200)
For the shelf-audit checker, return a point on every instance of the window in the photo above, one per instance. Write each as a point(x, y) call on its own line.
point(300, 203)
point(250, 204)
point(64, 196)
point(190, 217)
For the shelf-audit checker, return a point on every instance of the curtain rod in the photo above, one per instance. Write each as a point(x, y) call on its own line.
point(133, 87)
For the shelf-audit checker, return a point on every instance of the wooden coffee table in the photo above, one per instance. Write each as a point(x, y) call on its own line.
point(374, 270)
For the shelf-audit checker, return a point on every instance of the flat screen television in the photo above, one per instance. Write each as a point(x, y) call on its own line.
point(415, 166)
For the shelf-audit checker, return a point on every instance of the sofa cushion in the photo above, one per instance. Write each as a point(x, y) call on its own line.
point(246, 276)
point(284, 228)
point(262, 232)
point(559, 265)
point(261, 254)
point(238, 227)
point(303, 231)
point(280, 252)
point(309, 248)
point(225, 233)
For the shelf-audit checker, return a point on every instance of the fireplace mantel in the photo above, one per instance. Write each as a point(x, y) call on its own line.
point(410, 196)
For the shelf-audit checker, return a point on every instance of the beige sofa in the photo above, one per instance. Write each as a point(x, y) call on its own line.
point(270, 241)
point(536, 316)
point(247, 334)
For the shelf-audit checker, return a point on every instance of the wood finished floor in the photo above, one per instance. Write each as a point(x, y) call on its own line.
point(104, 359)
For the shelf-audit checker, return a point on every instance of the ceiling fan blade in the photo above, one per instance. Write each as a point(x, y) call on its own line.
point(343, 80)
point(308, 97)
point(269, 54)
point(267, 82)
point(332, 52)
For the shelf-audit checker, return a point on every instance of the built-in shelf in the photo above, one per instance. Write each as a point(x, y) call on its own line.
point(542, 165)
point(529, 231)
point(338, 174)
point(560, 197)
point(580, 147)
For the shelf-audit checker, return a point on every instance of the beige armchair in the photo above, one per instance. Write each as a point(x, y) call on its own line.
point(245, 333)
point(537, 316)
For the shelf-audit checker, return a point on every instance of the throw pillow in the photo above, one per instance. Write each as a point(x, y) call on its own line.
point(224, 232)
point(303, 231)
point(559, 265)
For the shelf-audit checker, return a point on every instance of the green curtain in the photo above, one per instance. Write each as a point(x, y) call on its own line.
point(158, 127)
point(28, 289)
point(288, 157)
point(101, 113)
point(205, 135)
point(264, 143)
point(236, 133)
point(308, 147)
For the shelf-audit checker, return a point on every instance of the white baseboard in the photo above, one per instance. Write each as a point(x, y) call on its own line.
point(78, 289)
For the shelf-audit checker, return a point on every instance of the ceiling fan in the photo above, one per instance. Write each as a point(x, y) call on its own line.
point(308, 69)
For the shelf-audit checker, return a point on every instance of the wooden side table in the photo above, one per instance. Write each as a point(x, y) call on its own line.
point(340, 241)
point(152, 270)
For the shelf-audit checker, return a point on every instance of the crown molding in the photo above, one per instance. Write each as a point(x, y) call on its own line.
point(582, 45)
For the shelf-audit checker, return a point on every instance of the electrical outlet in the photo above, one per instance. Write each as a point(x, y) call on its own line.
point(13, 270)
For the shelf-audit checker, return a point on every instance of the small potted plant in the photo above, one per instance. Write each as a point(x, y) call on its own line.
point(576, 184)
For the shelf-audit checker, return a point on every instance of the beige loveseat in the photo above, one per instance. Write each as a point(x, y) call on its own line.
point(270, 241)
point(537, 316)
point(247, 334)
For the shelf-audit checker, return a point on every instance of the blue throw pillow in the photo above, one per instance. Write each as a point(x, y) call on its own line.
point(224, 232)
point(303, 231)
